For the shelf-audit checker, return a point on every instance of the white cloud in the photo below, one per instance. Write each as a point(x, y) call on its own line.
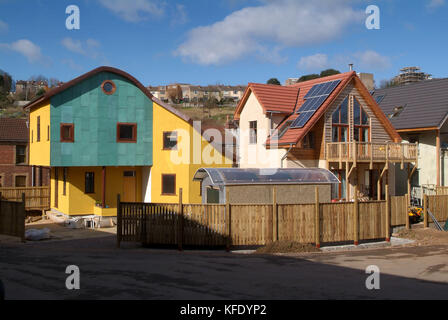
point(135, 10)
point(285, 23)
point(372, 60)
point(315, 62)
point(3, 26)
point(180, 15)
point(88, 48)
point(432, 4)
point(26, 48)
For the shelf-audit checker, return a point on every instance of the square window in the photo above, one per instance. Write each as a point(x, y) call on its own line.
point(67, 132)
point(127, 132)
point(20, 181)
point(168, 184)
point(170, 140)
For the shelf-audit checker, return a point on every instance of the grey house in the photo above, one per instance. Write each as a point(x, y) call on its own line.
point(255, 186)
point(419, 113)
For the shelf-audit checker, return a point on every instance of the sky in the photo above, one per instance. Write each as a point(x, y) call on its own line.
point(221, 41)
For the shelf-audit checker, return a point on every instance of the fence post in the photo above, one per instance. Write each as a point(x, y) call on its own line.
point(1, 213)
point(425, 211)
point(180, 223)
point(387, 209)
point(275, 236)
point(356, 217)
point(119, 221)
point(317, 219)
point(406, 208)
point(22, 220)
point(228, 222)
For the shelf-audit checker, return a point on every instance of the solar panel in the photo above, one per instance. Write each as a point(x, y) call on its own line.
point(314, 100)
point(322, 89)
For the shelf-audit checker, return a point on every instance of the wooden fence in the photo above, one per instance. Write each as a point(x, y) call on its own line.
point(438, 205)
point(252, 224)
point(12, 218)
point(37, 198)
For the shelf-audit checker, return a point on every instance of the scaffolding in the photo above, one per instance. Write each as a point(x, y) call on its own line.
point(410, 75)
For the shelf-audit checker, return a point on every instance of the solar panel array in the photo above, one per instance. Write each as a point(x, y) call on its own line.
point(314, 100)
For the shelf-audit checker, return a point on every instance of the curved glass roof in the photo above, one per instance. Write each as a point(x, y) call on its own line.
point(238, 176)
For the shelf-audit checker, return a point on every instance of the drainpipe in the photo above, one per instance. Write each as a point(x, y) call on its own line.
point(286, 155)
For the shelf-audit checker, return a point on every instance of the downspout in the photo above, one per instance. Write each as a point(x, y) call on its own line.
point(286, 155)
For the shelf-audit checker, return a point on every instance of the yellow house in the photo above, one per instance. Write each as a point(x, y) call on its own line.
point(104, 134)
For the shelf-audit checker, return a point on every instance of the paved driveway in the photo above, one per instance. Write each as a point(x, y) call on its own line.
point(37, 271)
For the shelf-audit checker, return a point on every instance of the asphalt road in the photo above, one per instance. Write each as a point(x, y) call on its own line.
point(37, 271)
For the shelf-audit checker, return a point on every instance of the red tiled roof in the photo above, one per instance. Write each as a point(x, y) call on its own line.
point(13, 130)
point(272, 98)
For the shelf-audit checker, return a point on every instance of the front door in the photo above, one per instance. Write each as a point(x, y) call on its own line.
point(129, 186)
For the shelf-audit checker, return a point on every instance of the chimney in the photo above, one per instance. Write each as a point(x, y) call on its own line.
point(351, 66)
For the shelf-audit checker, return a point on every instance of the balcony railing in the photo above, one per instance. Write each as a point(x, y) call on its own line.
point(371, 152)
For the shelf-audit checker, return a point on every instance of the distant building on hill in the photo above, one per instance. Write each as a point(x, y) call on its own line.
point(410, 75)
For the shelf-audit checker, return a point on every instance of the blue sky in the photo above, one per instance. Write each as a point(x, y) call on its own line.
point(221, 41)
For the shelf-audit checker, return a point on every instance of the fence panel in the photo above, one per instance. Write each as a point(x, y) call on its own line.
point(204, 225)
point(296, 222)
point(37, 198)
point(251, 224)
point(398, 211)
point(336, 222)
point(12, 219)
point(372, 223)
point(438, 205)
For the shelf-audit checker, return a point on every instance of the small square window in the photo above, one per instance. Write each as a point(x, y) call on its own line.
point(127, 132)
point(168, 184)
point(170, 140)
point(20, 181)
point(67, 132)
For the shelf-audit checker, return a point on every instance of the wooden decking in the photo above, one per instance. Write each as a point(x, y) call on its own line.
point(369, 152)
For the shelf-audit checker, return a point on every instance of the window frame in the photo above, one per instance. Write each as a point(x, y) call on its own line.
point(24, 155)
point(71, 138)
point(90, 190)
point(253, 132)
point(162, 189)
point(165, 134)
point(38, 129)
point(134, 133)
point(22, 176)
point(114, 87)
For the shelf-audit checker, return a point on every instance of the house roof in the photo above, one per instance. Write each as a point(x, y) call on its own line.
point(13, 130)
point(294, 135)
point(239, 176)
point(425, 104)
point(65, 86)
point(272, 98)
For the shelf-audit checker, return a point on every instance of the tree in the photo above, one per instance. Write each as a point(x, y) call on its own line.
point(308, 77)
point(388, 84)
point(274, 81)
point(41, 92)
point(329, 72)
point(175, 94)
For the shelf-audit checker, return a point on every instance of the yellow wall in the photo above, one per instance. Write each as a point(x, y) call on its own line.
point(163, 159)
point(40, 151)
point(76, 202)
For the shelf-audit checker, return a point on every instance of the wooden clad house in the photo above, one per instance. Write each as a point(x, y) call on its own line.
point(104, 134)
point(332, 123)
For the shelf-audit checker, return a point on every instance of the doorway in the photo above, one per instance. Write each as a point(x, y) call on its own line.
point(129, 186)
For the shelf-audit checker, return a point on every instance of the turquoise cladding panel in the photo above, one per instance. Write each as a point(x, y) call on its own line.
point(95, 116)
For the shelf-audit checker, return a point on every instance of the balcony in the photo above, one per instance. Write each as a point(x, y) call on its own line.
point(370, 152)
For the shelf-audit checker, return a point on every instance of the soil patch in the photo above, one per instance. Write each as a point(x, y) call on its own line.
point(286, 247)
point(425, 236)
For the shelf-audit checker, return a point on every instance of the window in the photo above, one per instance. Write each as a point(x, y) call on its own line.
point(108, 87)
point(127, 132)
point(361, 123)
point(64, 176)
point(170, 140)
point(253, 132)
point(20, 181)
point(308, 141)
point(67, 132)
point(48, 133)
point(38, 129)
point(338, 191)
point(340, 123)
point(168, 184)
point(90, 182)
point(1, 181)
point(20, 154)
